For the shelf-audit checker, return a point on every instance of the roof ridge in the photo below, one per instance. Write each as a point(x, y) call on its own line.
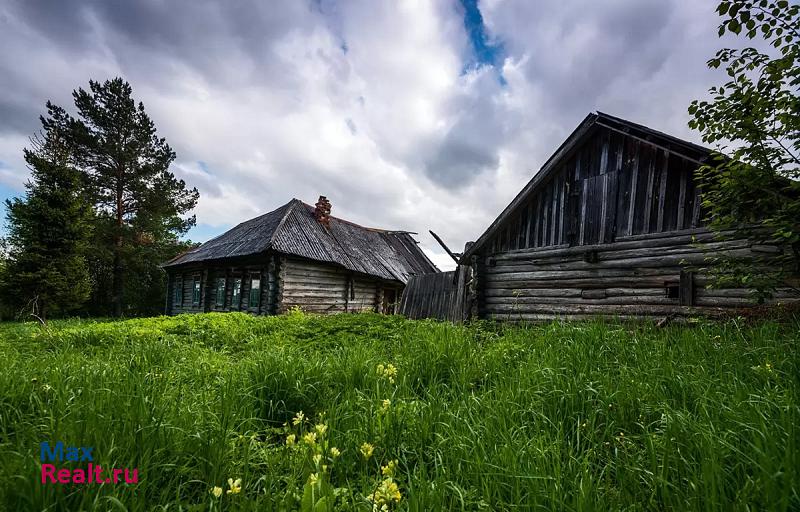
point(345, 221)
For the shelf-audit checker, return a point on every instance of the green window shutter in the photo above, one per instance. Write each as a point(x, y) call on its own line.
point(255, 290)
point(236, 293)
point(196, 292)
point(220, 292)
point(178, 297)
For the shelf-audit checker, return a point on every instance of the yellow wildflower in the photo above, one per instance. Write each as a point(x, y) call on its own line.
point(391, 372)
point(386, 404)
point(335, 452)
point(317, 458)
point(298, 419)
point(768, 366)
point(310, 438)
point(290, 439)
point(321, 428)
point(389, 469)
point(366, 450)
point(216, 491)
point(313, 478)
point(235, 486)
point(386, 492)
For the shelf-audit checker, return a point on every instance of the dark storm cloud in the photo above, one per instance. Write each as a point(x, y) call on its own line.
point(201, 34)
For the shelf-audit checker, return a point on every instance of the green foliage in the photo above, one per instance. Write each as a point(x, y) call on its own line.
point(751, 187)
point(49, 228)
point(102, 212)
point(583, 416)
point(140, 204)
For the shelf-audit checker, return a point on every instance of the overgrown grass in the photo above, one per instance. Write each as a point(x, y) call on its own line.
point(583, 416)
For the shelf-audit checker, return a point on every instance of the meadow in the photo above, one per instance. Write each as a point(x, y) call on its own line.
point(369, 412)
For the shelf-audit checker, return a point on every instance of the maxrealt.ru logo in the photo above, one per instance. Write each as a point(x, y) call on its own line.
point(91, 474)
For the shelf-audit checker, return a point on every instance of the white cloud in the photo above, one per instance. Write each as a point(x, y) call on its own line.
point(366, 102)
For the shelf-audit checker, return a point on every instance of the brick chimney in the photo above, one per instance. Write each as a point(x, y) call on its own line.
point(322, 211)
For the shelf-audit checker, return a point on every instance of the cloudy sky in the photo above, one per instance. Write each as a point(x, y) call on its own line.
point(410, 115)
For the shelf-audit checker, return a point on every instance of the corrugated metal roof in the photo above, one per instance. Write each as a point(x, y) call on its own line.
point(293, 230)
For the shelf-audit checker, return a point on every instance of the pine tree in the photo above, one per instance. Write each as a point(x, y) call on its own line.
point(48, 229)
point(140, 205)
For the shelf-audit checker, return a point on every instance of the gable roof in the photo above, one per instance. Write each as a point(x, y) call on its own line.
point(292, 229)
point(584, 130)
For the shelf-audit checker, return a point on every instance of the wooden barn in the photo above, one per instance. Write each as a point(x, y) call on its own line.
point(611, 224)
point(298, 255)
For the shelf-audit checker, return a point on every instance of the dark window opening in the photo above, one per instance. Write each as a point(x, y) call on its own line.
point(236, 293)
point(255, 290)
point(220, 292)
point(672, 291)
point(178, 298)
point(196, 292)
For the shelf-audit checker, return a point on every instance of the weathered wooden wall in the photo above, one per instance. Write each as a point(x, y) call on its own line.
point(611, 185)
point(612, 228)
point(442, 296)
point(320, 288)
point(637, 276)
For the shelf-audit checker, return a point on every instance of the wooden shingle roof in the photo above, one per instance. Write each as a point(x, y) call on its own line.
point(293, 230)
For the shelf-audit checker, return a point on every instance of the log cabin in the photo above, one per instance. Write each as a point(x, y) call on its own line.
point(296, 256)
point(612, 224)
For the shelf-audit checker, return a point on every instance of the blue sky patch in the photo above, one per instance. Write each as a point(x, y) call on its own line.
point(485, 52)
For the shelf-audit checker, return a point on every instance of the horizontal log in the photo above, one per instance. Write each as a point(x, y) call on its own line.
point(620, 300)
point(610, 252)
point(601, 309)
point(650, 241)
point(545, 317)
point(585, 283)
point(681, 259)
point(724, 301)
point(578, 274)
point(742, 292)
point(321, 294)
point(569, 292)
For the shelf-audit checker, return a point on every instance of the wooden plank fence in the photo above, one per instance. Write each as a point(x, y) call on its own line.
point(443, 296)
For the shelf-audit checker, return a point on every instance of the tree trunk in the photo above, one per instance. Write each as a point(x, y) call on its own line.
point(117, 285)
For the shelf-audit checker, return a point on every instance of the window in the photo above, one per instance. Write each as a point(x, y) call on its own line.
point(236, 293)
point(178, 297)
point(672, 290)
point(220, 292)
point(196, 291)
point(255, 290)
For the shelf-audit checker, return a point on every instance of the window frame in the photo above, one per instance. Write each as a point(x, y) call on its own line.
point(236, 293)
point(177, 292)
point(221, 288)
point(197, 291)
point(251, 303)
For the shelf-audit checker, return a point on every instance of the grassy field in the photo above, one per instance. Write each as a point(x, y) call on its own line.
point(584, 416)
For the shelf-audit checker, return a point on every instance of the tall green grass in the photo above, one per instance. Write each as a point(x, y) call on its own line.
point(583, 416)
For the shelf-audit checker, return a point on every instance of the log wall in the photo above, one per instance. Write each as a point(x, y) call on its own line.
point(284, 283)
point(637, 276)
point(320, 288)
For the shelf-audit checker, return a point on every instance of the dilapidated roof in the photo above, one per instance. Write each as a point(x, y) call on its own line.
point(292, 229)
